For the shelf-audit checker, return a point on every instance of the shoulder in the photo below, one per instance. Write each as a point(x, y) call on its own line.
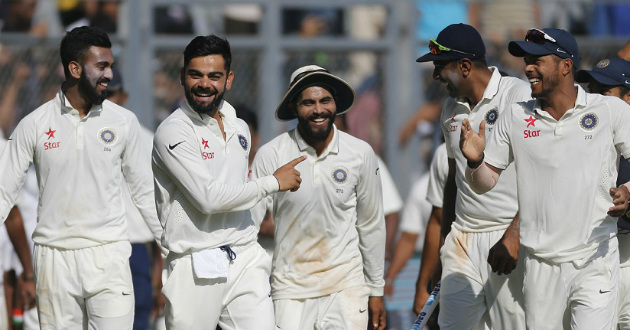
point(116, 110)
point(177, 123)
point(516, 89)
point(275, 145)
point(355, 144)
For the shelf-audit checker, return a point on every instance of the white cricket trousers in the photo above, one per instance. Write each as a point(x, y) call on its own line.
point(346, 309)
point(563, 296)
point(240, 302)
point(84, 289)
point(470, 290)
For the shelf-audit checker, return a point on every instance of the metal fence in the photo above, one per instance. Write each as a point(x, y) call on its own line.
point(264, 55)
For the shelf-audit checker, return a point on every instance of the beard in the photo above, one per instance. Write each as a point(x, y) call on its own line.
point(549, 84)
point(88, 90)
point(309, 133)
point(207, 108)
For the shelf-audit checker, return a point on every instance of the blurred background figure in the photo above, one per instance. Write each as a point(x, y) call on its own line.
point(145, 261)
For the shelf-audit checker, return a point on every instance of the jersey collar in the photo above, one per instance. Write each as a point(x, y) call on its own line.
point(67, 107)
point(491, 90)
point(580, 103)
point(333, 146)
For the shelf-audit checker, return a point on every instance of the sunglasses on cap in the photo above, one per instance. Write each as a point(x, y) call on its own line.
point(538, 36)
point(436, 48)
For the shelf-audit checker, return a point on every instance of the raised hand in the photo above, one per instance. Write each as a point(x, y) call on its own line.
point(471, 143)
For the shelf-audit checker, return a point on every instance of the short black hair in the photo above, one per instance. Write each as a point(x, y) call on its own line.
point(77, 42)
point(208, 45)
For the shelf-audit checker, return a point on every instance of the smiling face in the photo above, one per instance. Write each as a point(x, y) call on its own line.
point(315, 109)
point(96, 73)
point(544, 74)
point(448, 74)
point(205, 81)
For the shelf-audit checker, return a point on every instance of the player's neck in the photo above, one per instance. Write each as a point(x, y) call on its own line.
point(558, 102)
point(77, 101)
point(478, 85)
point(317, 144)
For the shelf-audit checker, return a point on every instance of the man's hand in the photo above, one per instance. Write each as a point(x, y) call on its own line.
point(420, 299)
point(472, 143)
point(288, 177)
point(27, 290)
point(377, 312)
point(503, 256)
point(620, 196)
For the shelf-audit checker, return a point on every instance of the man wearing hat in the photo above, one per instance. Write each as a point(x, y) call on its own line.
point(612, 77)
point(330, 235)
point(565, 146)
point(481, 270)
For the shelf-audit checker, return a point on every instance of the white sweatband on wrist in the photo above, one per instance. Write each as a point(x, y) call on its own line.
point(481, 179)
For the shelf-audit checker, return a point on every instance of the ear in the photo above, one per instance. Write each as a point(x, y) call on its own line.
point(567, 66)
point(228, 81)
point(626, 97)
point(75, 69)
point(465, 66)
point(182, 75)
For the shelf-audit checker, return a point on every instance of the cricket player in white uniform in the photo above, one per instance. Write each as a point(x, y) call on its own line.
point(565, 146)
point(612, 77)
point(81, 146)
point(217, 272)
point(418, 215)
point(480, 256)
point(330, 235)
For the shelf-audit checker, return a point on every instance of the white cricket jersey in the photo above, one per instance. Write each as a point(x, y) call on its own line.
point(201, 188)
point(392, 202)
point(438, 173)
point(495, 209)
point(565, 170)
point(426, 192)
point(139, 232)
point(79, 164)
point(330, 234)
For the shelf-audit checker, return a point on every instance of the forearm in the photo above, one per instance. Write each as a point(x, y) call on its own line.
point(430, 251)
point(403, 251)
point(450, 198)
point(17, 235)
point(482, 178)
point(391, 227)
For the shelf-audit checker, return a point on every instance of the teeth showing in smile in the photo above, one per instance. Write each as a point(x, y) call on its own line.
point(534, 81)
point(104, 84)
point(319, 120)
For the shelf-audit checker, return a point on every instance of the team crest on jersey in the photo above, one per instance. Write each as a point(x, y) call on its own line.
point(340, 175)
point(243, 141)
point(107, 135)
point(603, 63)
point(589, 121)
point(492, 116)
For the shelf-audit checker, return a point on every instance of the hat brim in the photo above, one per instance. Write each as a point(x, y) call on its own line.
point(345, 96)
point(582, 76)
point(522, 48)
point(444, 56)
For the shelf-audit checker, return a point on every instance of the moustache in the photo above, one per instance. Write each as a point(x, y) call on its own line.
point(201, 90)
point(322, 115)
